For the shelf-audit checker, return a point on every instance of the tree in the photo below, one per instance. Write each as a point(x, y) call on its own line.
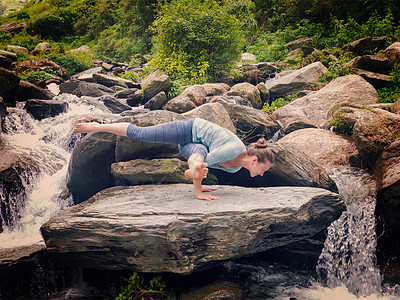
point(196, 40)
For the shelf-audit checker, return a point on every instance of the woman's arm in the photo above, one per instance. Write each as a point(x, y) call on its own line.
point(115, 128)
point(197, 171)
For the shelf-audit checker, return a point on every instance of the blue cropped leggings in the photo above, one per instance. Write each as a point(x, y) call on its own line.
point(174, 133)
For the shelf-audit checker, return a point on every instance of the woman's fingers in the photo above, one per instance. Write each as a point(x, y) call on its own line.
point(209, 189)
point(203, 196)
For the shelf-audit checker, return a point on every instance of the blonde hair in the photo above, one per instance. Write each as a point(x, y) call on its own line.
point(261, 150)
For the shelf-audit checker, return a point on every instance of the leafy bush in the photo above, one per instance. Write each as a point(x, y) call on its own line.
point(50, 26)
point(337, 68)
point(350, 30)
point(129, 75)
point(112, 45)
point(391, 93)
point(343, 125)
point(196, 40)
point(270, 108)
point(73, 62)
point(137, 289)
point(33, 75)
point(270, 46)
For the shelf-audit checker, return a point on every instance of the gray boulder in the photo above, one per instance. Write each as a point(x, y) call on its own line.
point(87, 75)
point(312, 109)
point(43, 64)
point(69, 86)
point(248, 92)
point(135, 99)
point(110, 81)
point(247, 57)
point(3, 112)
point(154, 83)
point(326, 147)
point(194, 96)
point(153, 171)
point(125, 93)
point(18, 50)
point(7, 59)
point(159, 228)
point(367, 44)
point(372, 130)
point(114, 105)
point(372, 63)
point(89, 169)
point(393, 52)
point(298, 43)
point(28, 90)
point(91, 90)
point(15, 169)
point(377, 80)
point(251, 123)
point(264, 93)
point(294, 167)
point(388, 201)
point(157, 101)
point(41, 109)
point(41, 48)
point(13, 27)
point(9, 83)
point(296, 81)
point(213, 112)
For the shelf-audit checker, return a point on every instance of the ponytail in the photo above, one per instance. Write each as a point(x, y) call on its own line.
point(261, 150)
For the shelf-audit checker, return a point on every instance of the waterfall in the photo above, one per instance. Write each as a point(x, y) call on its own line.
point(348, 257)
point(48, 145)
point(347, 266)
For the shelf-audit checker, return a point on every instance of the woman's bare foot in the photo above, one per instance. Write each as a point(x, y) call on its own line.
point(199, 172)
point(85, 127)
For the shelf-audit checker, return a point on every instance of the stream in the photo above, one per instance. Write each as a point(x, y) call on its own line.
point(346, 267)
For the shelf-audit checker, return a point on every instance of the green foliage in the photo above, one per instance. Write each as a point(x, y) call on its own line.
point(112, 45)
point(73, 62)
point(350, 30)
point(51, 26)
point(137, 289)
point(343, 125)
point(34, 75)
point(270, 46)
point(129, 75)
point(270, 108)
point(196, 40)
point(391, 93)
point(175, 90)
point(337, 68)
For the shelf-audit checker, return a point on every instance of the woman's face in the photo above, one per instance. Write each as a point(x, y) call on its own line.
point(258, 169)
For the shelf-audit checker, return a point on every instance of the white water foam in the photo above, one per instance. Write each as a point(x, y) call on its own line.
point(48, 143)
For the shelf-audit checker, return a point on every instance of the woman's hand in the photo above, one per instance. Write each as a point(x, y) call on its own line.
point(205, 189)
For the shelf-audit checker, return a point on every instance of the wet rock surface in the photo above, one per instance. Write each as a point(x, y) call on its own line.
point(165, 229)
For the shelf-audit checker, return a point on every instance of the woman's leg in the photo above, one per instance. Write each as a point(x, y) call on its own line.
point(175, 132)
point(115, 128)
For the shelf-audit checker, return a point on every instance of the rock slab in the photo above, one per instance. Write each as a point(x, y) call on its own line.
point(163, 228)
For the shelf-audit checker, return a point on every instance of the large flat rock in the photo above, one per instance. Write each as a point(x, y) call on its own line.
point(163, 228)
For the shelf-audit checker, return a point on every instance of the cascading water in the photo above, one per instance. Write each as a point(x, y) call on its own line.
point(347, 267)
point(48, 144)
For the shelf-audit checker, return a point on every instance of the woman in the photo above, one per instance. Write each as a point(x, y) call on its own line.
point(202, 143)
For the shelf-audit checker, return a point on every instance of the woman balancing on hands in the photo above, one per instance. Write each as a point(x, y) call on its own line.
point(202, 143)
